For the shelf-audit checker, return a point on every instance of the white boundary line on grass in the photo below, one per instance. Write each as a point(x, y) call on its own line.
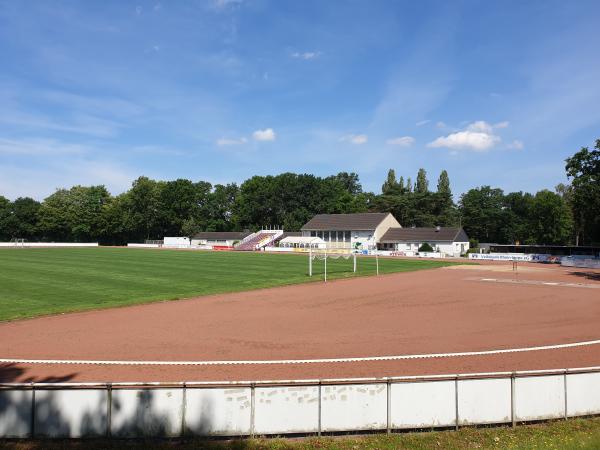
point(297, 361)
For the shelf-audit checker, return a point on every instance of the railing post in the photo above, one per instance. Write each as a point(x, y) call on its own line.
point(513, 417)
point(183, 408)
point(456, 402)
point(252, 408)
point(108, 409)
point(32, 418)
point(389, 407)
point(566, 392)
point(320, 410)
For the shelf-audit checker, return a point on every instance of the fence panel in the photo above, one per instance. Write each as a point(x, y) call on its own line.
point(538, 398)
point(71, 413)
point(222, 412)
point(484, 401)
point(15, 413)
point(147, 412)
point(286, 410)
point(354, 407)
point(423, 404)
point(583, 394)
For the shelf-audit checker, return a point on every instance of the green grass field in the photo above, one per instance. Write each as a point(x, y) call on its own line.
point(582, 434)
point(35, 282)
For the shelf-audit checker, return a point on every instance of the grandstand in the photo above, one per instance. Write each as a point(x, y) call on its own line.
point(258, 240)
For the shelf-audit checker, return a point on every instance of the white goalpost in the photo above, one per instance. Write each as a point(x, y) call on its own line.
point(325, 253)
point(18, 242)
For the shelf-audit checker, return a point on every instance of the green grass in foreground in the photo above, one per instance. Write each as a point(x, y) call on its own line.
point(571, 434)
point(35, 282)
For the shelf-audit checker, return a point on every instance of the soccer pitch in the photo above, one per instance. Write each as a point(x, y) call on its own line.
point(36, 282)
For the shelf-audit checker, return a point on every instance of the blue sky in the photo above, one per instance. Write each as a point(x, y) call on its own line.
point(497, 93)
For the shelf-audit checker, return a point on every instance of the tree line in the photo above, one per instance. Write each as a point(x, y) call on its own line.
point(152, 209)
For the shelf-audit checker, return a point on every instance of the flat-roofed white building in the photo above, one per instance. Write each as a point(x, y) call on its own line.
point(219, 238)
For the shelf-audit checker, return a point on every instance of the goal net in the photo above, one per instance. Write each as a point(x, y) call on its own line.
point(323, 254)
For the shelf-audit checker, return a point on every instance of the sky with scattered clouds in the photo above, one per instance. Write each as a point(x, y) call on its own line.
point(497, 93)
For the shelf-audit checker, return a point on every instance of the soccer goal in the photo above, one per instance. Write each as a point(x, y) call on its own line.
point(18, 242)
point(324, 254)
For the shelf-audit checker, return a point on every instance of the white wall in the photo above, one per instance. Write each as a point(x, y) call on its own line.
point(133, 245)
point(293, 409)
point(218, 411)
point(354, 407)
point(176, 241)
point(49, 244)
point(448, 248)
point(387, 223)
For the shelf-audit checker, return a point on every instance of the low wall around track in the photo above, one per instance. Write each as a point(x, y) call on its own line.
point(306, 407)
point(48, 244)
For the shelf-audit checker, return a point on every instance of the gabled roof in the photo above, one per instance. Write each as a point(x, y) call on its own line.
point(222, 235)
point(345, 222)
point(449, 234)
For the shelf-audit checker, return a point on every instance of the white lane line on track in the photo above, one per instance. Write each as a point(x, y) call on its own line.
point(297, 361)
point(537, 282)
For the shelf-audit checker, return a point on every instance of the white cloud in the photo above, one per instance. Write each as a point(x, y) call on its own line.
point(403, 141)
point(484, 127)
point(357, 139)
point(480, 126)
point(478, 136)
point(422, 122)
point(441, 125)
point(226, 141)
point(306, 55)
point(515, 145)
point(264, 135)
point(469, 140)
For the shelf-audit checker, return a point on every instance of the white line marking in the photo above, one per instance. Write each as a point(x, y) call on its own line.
point(536, 282)
point(297, 361)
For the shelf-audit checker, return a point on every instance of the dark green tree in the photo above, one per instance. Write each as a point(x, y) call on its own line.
point(443, 185)
point(390, 186)
point(551, 219)
point(22, 219)
point(143, 206)
point(422, 185)
point(4, 214)
point(518, 213)
point(482, 214)
point(584, 170)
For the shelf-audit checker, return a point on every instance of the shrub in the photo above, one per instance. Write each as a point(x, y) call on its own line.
point(425, 247)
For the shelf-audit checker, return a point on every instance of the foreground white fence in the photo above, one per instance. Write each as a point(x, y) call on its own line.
point(247, 409)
